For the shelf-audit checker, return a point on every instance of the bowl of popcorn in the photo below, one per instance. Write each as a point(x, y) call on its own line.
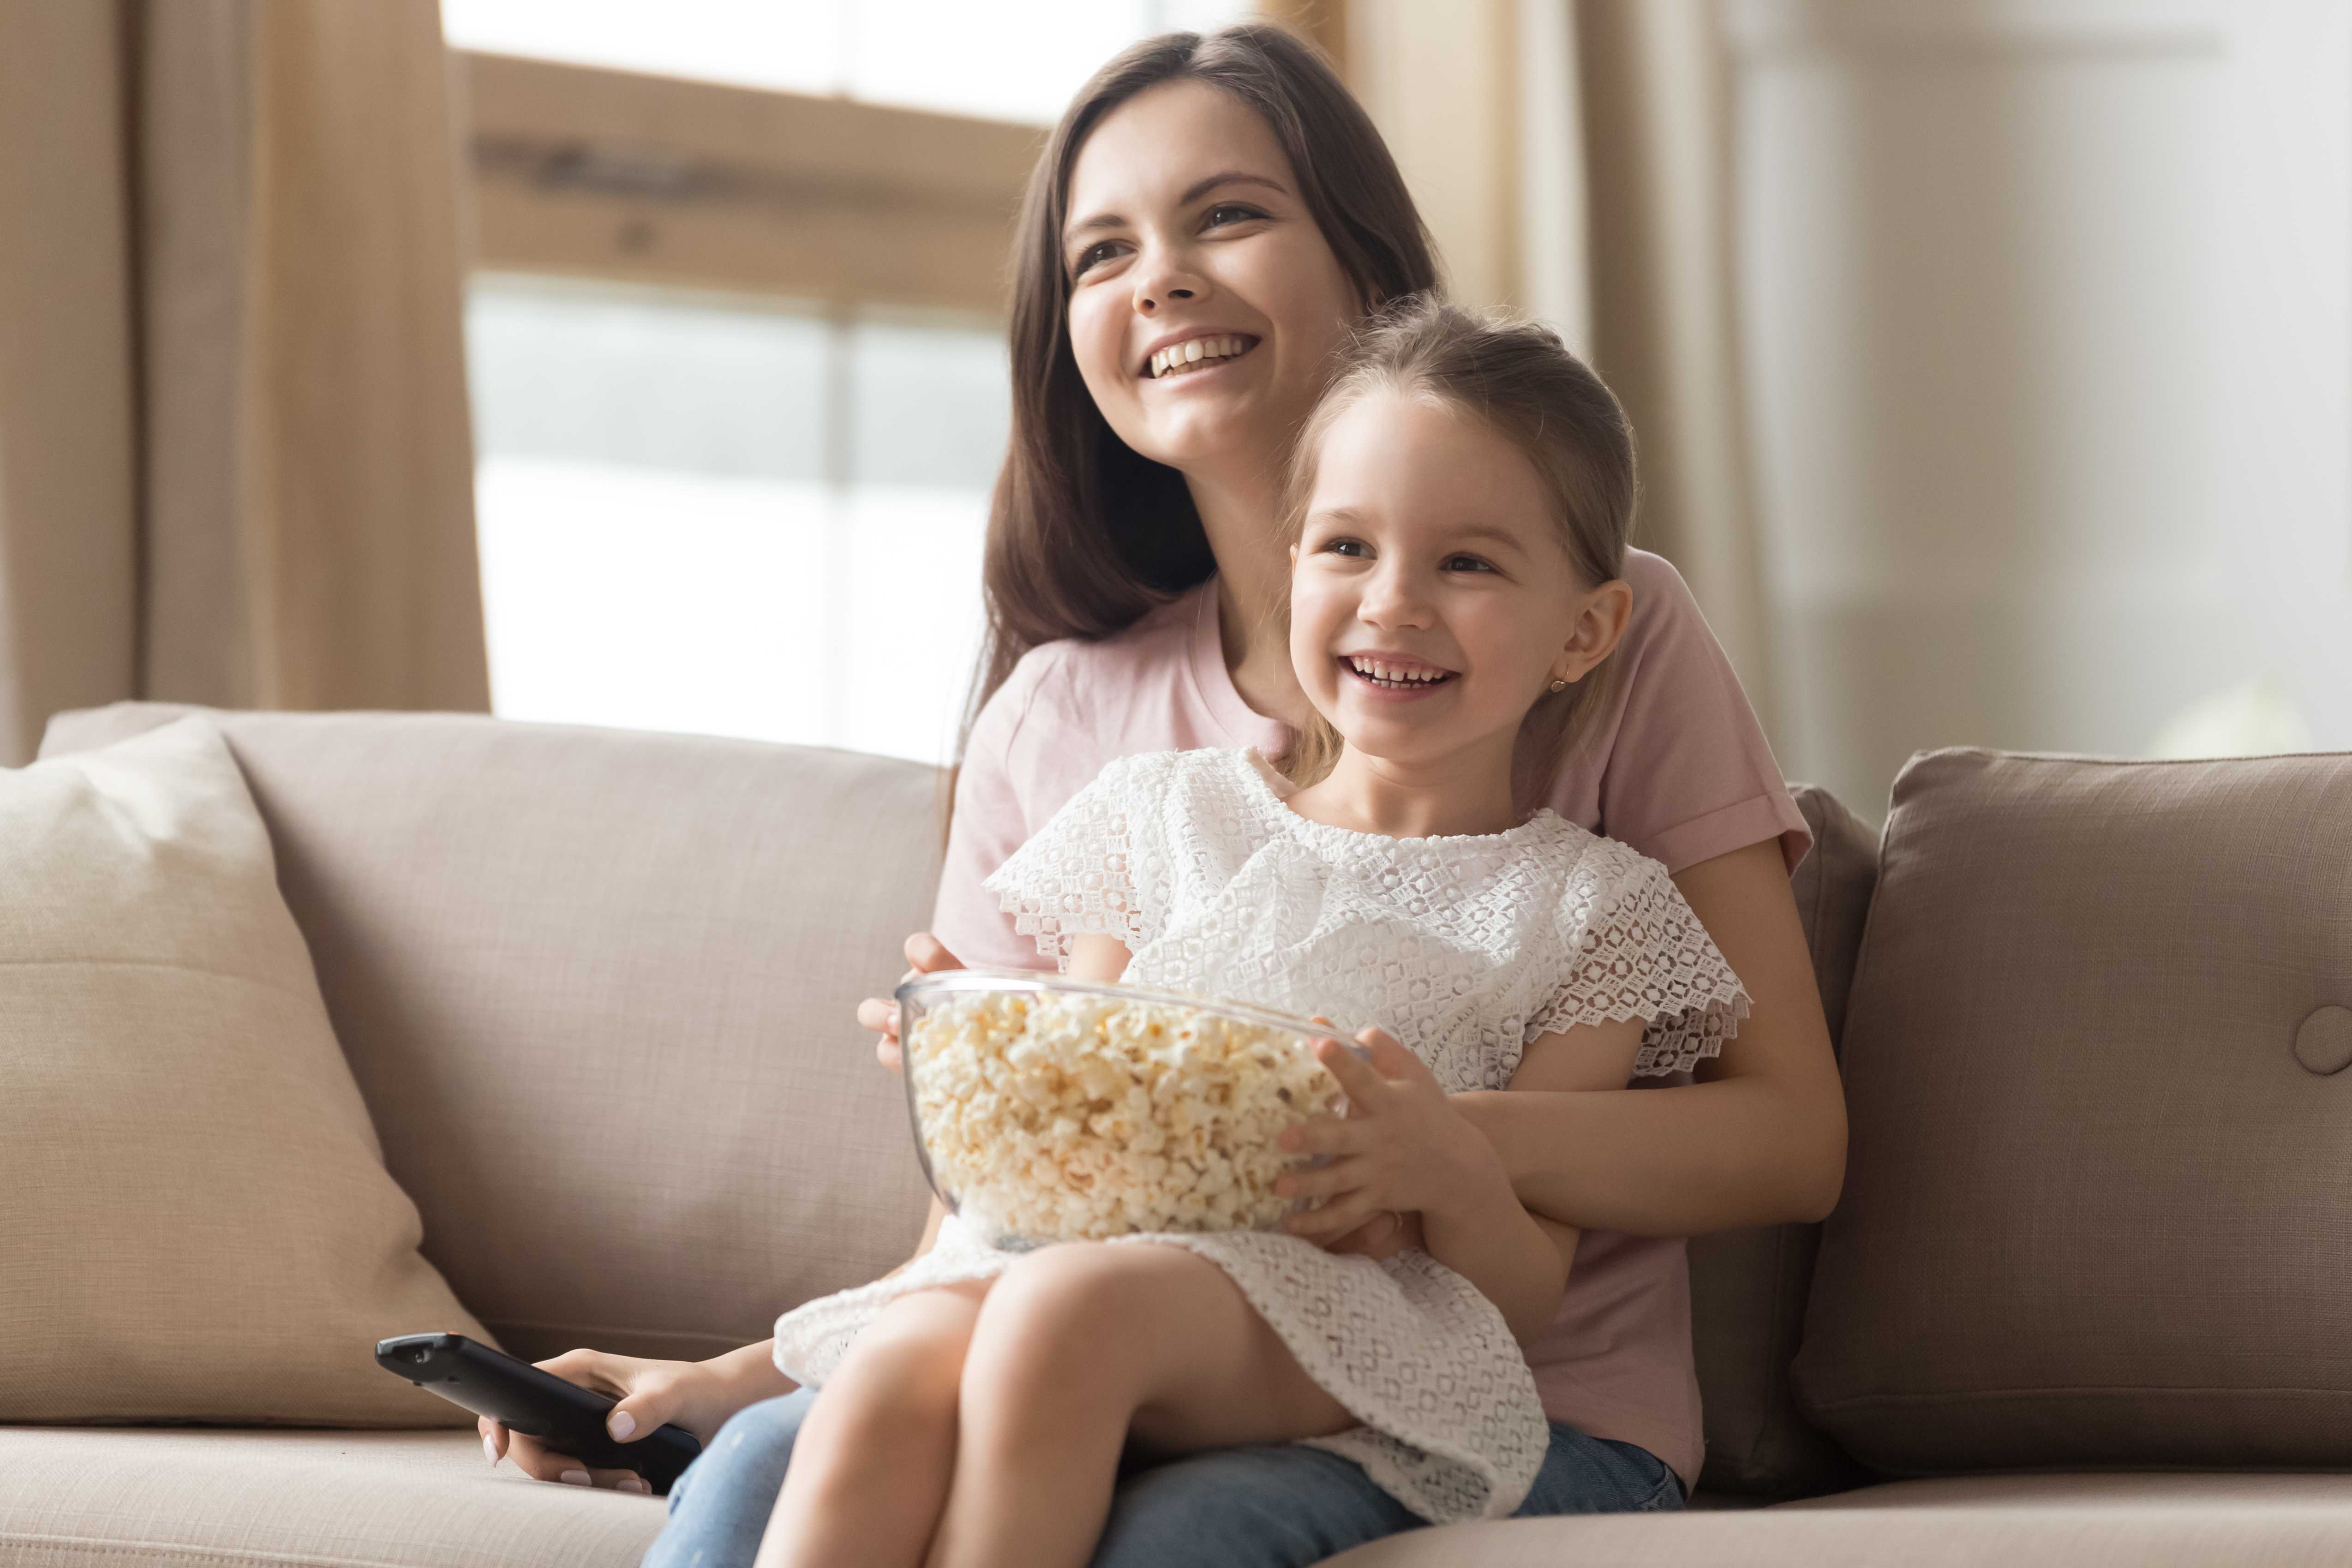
point(1053, 1110)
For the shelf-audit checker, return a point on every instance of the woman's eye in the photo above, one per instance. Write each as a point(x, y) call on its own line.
point(1095, 255)
point(1226, 213)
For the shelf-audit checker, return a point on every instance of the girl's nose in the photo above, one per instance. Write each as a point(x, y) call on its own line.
point(1393, 597)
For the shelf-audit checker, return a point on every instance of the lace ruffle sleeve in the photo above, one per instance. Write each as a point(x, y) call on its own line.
point(1635, 949)
point(1073, 877)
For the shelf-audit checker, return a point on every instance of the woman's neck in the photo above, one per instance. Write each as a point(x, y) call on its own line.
point(1466, 792)
point(1240, 512)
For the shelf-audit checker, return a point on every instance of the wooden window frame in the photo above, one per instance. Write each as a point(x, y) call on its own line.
point(587, 172)
point(584, 171)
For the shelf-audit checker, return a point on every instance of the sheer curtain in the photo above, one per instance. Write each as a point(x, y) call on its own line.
point(235, 460)
point(1652, 77)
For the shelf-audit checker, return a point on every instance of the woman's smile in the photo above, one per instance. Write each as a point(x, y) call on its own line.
point(1185, 354)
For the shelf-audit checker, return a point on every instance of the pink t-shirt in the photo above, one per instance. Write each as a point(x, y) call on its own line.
point(1675, 766)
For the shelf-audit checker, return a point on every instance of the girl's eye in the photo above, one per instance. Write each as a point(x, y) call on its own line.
point(1465, 564)
point(1226, 213)
point(1354, 549)
point(1095, 255)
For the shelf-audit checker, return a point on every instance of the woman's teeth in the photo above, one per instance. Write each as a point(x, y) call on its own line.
point(1177, 358)
point(1379, 674)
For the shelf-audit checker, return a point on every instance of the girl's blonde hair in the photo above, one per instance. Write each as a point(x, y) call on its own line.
point(1519, 381)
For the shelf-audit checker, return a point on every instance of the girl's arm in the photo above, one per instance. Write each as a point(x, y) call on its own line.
point(1761, 1140)
point(1403, 1147)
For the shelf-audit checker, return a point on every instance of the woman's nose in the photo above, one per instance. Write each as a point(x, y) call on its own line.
point(1162, 285)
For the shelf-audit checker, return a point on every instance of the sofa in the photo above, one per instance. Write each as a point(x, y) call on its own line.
point(2084, 1300)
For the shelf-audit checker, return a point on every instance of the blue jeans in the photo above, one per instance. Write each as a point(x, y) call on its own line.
point(1236, 1508)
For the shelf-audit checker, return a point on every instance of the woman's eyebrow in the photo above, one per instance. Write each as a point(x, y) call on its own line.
point(1193, 193)
point(1200, 188)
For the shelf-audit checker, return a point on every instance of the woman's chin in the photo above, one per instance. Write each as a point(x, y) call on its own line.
point(1228, 431)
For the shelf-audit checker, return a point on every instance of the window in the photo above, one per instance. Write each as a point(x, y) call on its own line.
point(739, 381)
point(1019, 60)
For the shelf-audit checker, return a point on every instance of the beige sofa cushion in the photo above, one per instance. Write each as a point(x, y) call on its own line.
point(2095, 1201)
point(197, 1223)
point(2013, 1521)
point(598, 988)
point(145, 1498)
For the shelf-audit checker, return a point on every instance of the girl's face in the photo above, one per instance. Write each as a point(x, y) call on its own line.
point(1431, 600)
point(1205, 307)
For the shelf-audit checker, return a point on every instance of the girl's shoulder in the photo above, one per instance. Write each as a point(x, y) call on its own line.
point(1594, 872)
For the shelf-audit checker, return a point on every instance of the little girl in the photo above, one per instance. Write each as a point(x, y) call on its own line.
point(1458, 505)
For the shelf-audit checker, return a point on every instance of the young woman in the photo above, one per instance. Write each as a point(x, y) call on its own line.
point(1226, 192)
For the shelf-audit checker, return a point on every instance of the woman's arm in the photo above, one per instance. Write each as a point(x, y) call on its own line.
point(1761, 1140)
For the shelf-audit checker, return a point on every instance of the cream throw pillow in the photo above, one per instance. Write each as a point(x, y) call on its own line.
point(196, 1222)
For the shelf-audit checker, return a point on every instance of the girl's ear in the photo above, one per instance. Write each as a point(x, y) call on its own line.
point(1294, 558)
point(1599, 626)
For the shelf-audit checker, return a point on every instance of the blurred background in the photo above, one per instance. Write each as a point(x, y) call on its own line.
point(617, 363)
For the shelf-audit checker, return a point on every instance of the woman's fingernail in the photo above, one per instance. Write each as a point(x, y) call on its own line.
point(490, 1449)
point(622, 1425)
point(575, 1478)
point(635, 1484)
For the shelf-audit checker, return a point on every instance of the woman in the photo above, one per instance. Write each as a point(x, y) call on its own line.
point(1224, 198)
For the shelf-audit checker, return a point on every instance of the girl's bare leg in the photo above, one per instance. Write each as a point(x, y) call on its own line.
point(872, 1464)
point(1077, 1347)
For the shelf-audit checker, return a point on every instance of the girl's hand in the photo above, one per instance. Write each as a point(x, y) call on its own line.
point(880, 1013)
point(1401, 1145)
point(699, 1395)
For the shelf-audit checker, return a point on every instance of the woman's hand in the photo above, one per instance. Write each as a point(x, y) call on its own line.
point(929, 955)
point(1402, 1147)
point(699, 1395)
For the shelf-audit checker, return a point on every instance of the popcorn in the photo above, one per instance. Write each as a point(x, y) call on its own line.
point(1055, 1116)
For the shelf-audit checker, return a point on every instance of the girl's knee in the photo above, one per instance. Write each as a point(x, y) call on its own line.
point(910, 1361)
point(1080, 1311)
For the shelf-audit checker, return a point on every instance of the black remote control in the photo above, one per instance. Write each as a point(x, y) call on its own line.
point(565, 1416)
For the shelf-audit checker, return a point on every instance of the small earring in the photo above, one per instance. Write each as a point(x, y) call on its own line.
point(1560, 686)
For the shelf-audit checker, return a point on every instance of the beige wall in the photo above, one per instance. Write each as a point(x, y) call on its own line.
point(2046, 313)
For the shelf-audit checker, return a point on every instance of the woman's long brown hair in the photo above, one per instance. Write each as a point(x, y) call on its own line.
point(1085, 534)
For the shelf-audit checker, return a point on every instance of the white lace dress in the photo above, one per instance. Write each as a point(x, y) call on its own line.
point(1464, 949)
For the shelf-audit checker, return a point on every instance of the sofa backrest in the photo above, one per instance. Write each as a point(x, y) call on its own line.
point(1748, 1286)
point(597, 986)
point(597, 989)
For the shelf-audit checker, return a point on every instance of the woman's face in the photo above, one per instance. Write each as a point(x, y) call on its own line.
point(1205, 307)
point(1431, 600)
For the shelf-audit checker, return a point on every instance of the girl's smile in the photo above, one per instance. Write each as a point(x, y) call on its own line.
point(1396, 676)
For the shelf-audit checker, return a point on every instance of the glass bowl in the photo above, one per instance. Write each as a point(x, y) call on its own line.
point(1053, 1110)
